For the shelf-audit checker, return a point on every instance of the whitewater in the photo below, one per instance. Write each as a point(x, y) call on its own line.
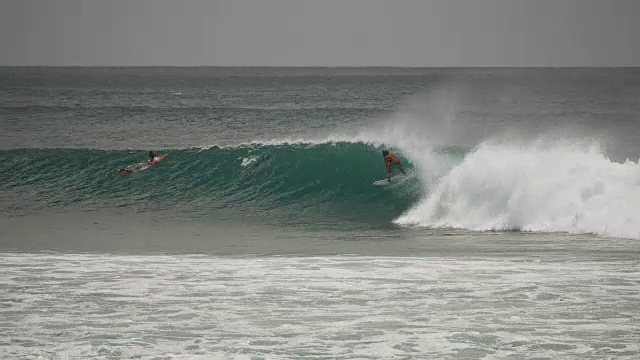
point(539, 188)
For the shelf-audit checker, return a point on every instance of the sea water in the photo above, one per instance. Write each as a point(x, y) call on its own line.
point(515, 233)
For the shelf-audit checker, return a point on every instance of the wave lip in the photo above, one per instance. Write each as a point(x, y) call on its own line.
point(539, 188)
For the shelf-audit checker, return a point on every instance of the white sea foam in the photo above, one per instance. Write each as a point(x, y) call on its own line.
point(249, 161)
point(86, 306)
point(557, 186)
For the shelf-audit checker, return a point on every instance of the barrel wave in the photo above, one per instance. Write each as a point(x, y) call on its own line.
point(295, 183)
point(533, 187)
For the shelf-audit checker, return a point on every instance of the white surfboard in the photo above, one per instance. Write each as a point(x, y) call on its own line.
point(395, 179)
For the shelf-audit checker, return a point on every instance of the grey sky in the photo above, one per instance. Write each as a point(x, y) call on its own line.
point(321, 32)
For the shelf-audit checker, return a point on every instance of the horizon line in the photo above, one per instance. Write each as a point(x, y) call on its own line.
point(334, 66)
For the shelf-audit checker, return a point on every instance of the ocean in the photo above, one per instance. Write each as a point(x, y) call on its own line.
point(515, 233)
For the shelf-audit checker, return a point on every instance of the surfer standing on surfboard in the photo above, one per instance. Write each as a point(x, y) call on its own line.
point(390, 160)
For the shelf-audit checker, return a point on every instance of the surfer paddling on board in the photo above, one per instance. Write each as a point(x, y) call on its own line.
point(152, 157)
point(391, 160)
point(132, 168)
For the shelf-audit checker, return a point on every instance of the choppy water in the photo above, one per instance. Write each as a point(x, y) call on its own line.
point(515, 235)
point(328, 307)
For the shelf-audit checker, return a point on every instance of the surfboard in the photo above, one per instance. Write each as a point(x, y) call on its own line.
point(142, 166)
point(395, 179)
point(157, 159)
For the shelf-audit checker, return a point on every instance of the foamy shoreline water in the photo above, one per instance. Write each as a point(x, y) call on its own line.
point(84, 306)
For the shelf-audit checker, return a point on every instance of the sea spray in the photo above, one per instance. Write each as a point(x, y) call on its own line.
point(540, 187)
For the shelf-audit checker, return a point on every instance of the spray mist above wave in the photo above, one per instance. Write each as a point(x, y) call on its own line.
point(549, 186)
point(502, 180)
point(540, 187)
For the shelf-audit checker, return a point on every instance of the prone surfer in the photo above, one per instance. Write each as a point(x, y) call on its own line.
point(132, 168)
point(152, 156)
point(391, 160)
point(143, 165)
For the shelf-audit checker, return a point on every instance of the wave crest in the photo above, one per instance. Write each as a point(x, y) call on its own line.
point(540, 188)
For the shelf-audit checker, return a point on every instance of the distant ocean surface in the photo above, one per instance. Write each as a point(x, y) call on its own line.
point(514, 235)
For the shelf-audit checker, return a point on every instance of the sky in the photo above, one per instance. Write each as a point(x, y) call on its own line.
point(416, 33)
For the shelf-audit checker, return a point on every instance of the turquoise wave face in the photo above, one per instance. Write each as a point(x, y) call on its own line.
point(293, 183)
